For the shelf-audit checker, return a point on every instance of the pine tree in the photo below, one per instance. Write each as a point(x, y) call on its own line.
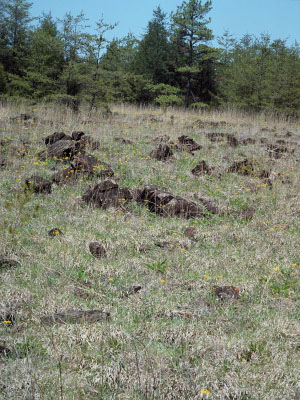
point(153, 54)
point(14, 34)
point(190, 35)
point(46, 61)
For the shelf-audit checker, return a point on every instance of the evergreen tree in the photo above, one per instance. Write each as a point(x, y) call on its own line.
point(46, 61)
point(153, 54)
point(14, 34)
point(3, 82)
point(190, 35)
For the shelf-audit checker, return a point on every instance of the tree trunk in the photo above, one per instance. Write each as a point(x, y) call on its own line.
point(188, 91)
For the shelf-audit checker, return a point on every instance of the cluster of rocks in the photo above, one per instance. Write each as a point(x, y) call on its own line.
point(71, 149)
point(166, 148)
point(158, 200)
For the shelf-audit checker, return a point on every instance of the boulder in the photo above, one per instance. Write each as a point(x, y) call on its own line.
point(106, 194)
point(61, 150)
point(164, 203)
point(55, 137)
point(88, 164)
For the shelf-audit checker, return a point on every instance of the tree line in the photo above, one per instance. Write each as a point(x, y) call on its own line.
point(174, 63)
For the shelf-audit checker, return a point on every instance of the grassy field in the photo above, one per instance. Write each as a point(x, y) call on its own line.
point(174, 338)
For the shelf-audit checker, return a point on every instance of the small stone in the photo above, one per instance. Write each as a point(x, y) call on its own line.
point(4, 351)
point(227, 293)
point(190, 232)
point(7, 262)
point(37, 184)
point(201, 169)
point(97, 250)
point(131, 290)
point(77, 135)
point(244, 167)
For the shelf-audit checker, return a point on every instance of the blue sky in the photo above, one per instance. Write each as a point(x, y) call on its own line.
point(279, 18)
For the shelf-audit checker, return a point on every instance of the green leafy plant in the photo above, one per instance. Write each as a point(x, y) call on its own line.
point(158, 266)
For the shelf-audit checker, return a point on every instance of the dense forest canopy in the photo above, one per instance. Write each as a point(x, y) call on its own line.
point(174, 63)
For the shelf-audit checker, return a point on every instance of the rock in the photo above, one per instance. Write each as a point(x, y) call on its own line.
point(201, 169)
point(131, 290)
point(244, 167)
point(166, 204)
point(171, 245)
point(19, 151)
point(55, 137)
point(232, 140)
point(190, 232)
point(216, 136)
point(208, 205)
point(247, 141)
point(76, 316)
point(90, 165)
point(277, 151)
point(106, 194)
point(61, 149)
point(37, 184)
point(68, 175)
point(55, 232)
point(188, 143)
point(77, 135)
point(136, 194)
point(88, 141)
point(5, 351)
point(264, 174)
point(6, 262)
point(162, 153)
point(123, 140)
point(281, 141)
point(162, 139)
point(97, 250)
point(227, 293)
point(3, 162)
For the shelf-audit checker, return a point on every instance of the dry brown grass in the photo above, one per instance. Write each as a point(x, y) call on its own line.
point(173, 339)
